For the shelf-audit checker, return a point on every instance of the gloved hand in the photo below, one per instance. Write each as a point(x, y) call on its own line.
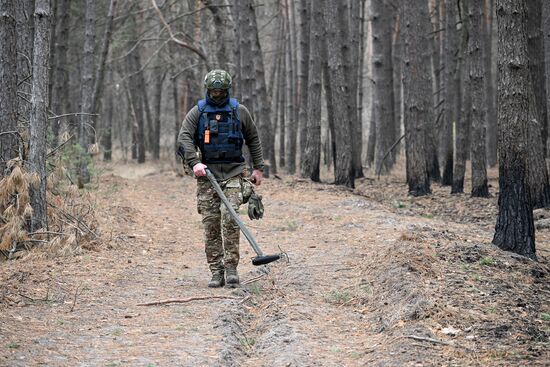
point(255, 207)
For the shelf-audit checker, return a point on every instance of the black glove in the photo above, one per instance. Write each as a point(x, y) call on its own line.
point(255, 207)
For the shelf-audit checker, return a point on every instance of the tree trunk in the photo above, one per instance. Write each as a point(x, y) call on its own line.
point(353, 80)
point(514, 230)
point(148, 132)
point(159, 80)
point(461, 134)
point(292, 93)
point(336, 31)
point(538, 129)
point(237, 79)
point(263, 115)
point(487, 49)
point(39, 117)
point(397, 62)
point(100, 74)
point(330, 142)
point(417, 90)
point(136, 104)
point(312, 156)
point(303, 75)
point(86, 93)
point(431, 128)
point(281, 107)
point(536, 65)
point(546, 31)
point(246, 62)
point(371, 143)
point(360, 74)
point(24, 10)
point(107, 136)
point(382, 71)
point(477, 90)
point(220, 29)
point(177, 117)
point(60, 92)
point(450, 117)
point(8, 84)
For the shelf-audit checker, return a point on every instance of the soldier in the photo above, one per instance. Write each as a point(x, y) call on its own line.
point(218, 126)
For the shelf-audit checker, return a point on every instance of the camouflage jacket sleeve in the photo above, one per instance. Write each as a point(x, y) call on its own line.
point(186, 142)
point(252, 138)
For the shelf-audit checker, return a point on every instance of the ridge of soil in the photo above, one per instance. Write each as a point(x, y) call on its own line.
point(374, 278)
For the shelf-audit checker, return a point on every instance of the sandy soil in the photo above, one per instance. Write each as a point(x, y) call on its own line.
point(375, 278)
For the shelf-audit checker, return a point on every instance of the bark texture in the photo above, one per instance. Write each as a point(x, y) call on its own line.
point(382, 71)
point(303, 74)
point(452, 89)
point(538, 129)
point(312, 155)
point(60, 92)
point(8, 84)
point(417, 90)
point(487, 32)
point(477, 90)
point(39, 117)
point(464, 108)
point(514, 230)
point(86, 93)
point(343, 170)
point(24, 10)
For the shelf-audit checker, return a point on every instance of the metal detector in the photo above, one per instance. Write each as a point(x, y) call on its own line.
point(260, 259)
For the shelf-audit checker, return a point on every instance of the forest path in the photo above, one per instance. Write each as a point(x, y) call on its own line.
point(331, 305)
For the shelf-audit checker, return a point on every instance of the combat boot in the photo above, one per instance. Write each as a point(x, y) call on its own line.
point(231, 276)
point(217, 280)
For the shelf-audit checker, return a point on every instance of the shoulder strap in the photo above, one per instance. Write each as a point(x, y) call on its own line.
point(201, 105)
point(234, 104)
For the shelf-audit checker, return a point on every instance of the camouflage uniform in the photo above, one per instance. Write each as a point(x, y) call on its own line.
point(221, 231)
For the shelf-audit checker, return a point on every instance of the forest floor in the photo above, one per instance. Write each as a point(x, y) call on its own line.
point(375, 278)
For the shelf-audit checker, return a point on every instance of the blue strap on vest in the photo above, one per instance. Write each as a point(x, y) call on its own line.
point(226, 138)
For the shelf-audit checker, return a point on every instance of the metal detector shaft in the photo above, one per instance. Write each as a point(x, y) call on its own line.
point(234, 214)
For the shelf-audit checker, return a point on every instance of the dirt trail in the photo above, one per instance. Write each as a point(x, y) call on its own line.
point(348, 297)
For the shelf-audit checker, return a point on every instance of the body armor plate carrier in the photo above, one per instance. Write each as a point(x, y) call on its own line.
point(219, 134)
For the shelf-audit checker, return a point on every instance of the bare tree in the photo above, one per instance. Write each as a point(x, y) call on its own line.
point(490, 100)
point(60, 92)
point(452, 89)
point(477, 89)
point(514, 229)
point(312, 155)
point(303, 75)
point(417, 93)
point(538, 129)
point(24, 10)
point(382, 70)
point(336, 32)
point(86, 93)
point(8, 84)
point(39, 117)
point(464, 107)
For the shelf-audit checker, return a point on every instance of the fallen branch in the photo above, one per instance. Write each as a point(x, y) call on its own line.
point(185, 300)
point(431, 340)
point(253, 279)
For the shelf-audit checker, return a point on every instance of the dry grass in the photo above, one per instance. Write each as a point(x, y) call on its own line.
point(71, 213)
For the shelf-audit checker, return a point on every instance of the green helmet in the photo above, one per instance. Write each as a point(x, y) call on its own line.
point(217, 79)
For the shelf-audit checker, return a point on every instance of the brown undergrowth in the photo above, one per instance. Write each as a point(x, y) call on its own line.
point(72, 222)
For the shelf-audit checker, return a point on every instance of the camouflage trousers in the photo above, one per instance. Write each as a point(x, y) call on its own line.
point(221, 232)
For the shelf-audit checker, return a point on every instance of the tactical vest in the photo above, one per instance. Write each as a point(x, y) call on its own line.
point(219, 134)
